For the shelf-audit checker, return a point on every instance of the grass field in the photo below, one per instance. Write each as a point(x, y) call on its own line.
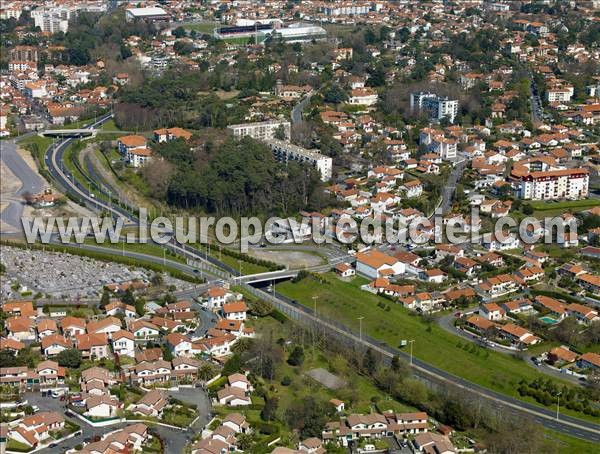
point(204, 27)
point(42, 142)
point(570, 445)
point(567, 205)
point(345, 302)
point(110, 126)
point(141, 248)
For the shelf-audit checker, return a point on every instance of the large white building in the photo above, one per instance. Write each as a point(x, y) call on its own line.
point(555, 184)
point(263, 130)
point(152, 13)
point(286, 151)
point(435, 106)
point(52, 20)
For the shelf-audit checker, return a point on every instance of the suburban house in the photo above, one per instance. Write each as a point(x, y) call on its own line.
point(123, 343)
point(179, 344)
point(374, 264)
point(583, 314)
point(233, 397)
point(54, 344)
point(36, 428)
point(72, 326)
point(103, 406)
point(106, 326)
point(236, 310)
point(491, 311)
point(92, 346)
point(344, 270)
point(118, 307)
point(589, 360)
point(151, 404)
point(142, 329)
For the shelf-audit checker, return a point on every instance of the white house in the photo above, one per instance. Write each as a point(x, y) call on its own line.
point(374, 264)
point(101, 406)
point(123, 343)
point(235, 310)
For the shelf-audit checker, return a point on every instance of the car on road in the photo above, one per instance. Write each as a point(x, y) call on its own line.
point(52, 445)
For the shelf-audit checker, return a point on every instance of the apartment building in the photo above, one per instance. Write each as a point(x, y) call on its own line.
point(436, 107)
point(555, 184)
point(286, 151)
point(52, 19)
point(262, 130)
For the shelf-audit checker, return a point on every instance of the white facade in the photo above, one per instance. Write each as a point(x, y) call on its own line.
point(52, 20)
point(555, 184)
point(263, 130)
point(285, 151)
point(435, 106)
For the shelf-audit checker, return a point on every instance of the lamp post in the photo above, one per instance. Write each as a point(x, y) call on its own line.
point(411, 350)
point(360, 319)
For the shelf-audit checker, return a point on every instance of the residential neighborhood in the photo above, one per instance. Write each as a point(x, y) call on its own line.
point(300, 227)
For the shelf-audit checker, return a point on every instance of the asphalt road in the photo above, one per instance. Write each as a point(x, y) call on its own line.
point(31, 183)
point(450, 187)
point(547, 417)
point(568, 425)
point(298, 108)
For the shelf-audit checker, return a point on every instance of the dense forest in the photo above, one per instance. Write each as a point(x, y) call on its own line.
point(234, 178)
point(179, 97)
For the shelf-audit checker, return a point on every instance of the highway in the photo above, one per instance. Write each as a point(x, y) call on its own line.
point(31, 183)
point(547, 417)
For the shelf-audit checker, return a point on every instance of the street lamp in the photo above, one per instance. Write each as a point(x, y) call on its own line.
point(558, 404)
point(411, 350)
point(360, 319)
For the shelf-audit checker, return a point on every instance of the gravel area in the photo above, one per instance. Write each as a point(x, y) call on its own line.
point(65, 275)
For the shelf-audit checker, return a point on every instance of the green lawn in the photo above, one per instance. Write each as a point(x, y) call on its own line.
point(205, 27)
point(345, 302)
point(570, 445)
point(110, 126)
point(43, 142)
point(567, 205)
point(14, 445)
point(149, 249)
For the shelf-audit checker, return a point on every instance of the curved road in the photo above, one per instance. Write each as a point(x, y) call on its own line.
point(31, 183)
point(568, 425)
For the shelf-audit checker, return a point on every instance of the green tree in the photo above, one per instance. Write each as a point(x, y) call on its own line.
point(269, 410)
point(527, 209)
point(335, 94)
point(296, 357)
point(178, 32)
point(70, 358)
point(105, 299)
point(280, 133)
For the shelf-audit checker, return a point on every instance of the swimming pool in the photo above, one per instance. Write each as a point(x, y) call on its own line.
point(548, 320)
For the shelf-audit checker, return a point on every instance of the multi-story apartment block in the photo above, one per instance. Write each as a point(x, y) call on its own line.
point(286, 151)
point(435, 106)
point(52, 20)
point(263, 130)
point(555, 184)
